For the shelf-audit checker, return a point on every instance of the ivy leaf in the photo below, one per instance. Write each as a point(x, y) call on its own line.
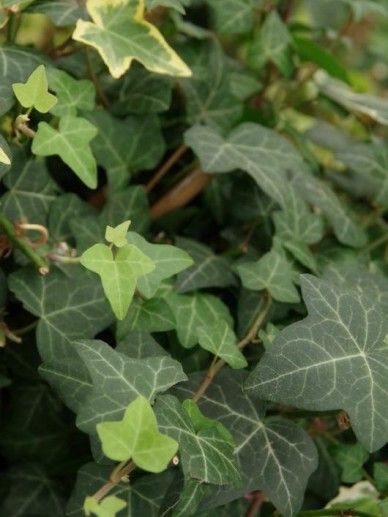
point(208, 270)
point(272, 272)
point(233, 16)
point(119, 273)
point(179, 5)
point(205, 455)
point(117, 235)
point(380, 474)
point(374, 107)
point(30, 190)
point(80, 312)
point(137, 437)
point(195, 311)
point(16, 64)
point(153, 315)
point(118, 380)
point(351, 458)
point(272, 44)
point(221, 341)
point(319, 362)
point(124, 147)
point(168, 260)
point(110, 506)
point(142, 92)
point(273, 454)
point(5, 154)
point(72, 95)
point(34, 93)
point(270, 159)
point(61, 12)
point(71, 143)
point(121, 34)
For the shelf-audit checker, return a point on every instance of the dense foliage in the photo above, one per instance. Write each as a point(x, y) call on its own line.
point(194, 247)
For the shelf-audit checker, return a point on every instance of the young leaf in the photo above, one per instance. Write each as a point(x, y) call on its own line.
point(117, 235)
point(221, 341)
point(168, 260)
point(322, 361)
point(34, 93)
point(4, 152)
point(119, 273)
point(351, 458)
point(121, 34)
point(70, 142)
point(110, 506)
point(137, 437)
point(272, 272)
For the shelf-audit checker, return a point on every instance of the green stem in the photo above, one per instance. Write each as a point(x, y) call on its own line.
point(335, 512)
point(23, 245)
point(375, 244)
point(13, 27)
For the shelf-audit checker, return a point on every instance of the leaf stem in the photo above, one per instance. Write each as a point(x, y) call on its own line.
point(13, 25)
point(119, 472)
point(23, 245)
point(375, 244)
point(94, 78)
point(215, 367)
point(170, 162)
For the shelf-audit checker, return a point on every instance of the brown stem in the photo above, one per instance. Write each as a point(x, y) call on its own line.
point(93, 76)
point(216, 367)
point(181, 194)
point(180, 151)
point(254, 507)
point(119, 472)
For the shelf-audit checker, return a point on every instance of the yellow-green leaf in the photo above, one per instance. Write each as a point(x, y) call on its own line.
point(34, 92)
point(4, 158)
point(118, 234)
point(109, 507)
point(137, 437)
point(121, 34)
point(119, 273)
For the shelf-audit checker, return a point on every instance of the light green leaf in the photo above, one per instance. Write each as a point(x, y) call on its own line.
point(61, 12)
point(276, 167)
point(16, 64)
point(137, 437)
point(110, 506)
point(71, 143)
point(30, 190)
point(119, 273)
point(118, 234)
point(205, 455)
point(34, 92)
point(338, 350)
point(5, 155)
point(221, 341)
point(272, 272)
point(272, 45)
point(351, 458)
point(121, 34)
point(72, 95)
point(200, 421)
point(273, 454)
point(195, 311)
point(208, 270)
point(126, 146)
point(375, 107)
point(169, 260)
point(80, 312)
point(118, 380)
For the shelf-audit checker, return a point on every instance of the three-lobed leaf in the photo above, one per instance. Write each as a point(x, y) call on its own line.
point(34, 93)
point(137, 437)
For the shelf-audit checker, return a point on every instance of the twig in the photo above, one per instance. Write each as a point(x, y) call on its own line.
point(254, 507)
point(180, 151)
point(119, 472)
point(218, 365)
point(23, 245)
point(93, 76)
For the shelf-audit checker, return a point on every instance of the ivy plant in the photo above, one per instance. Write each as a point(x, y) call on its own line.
point(193, 258)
